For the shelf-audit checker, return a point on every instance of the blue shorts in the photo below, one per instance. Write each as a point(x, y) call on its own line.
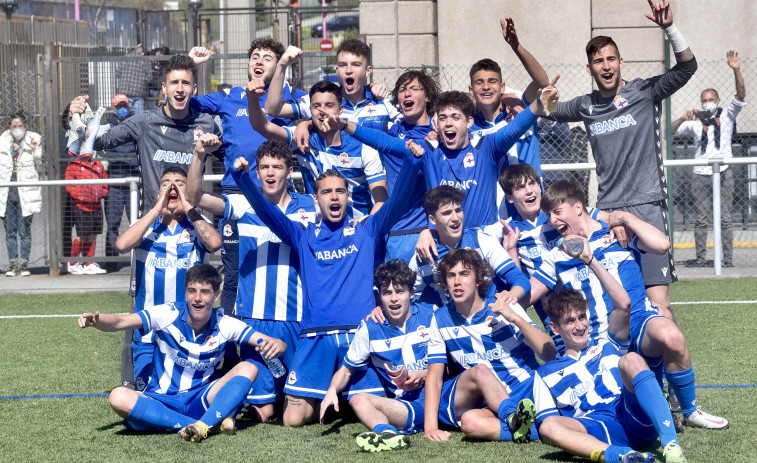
point(628, 426)
point(524, 390)
point(401, 247)
point(142, 353)
point(192, 403)
point(446, 416)
point(266, 388)
point(315, 362)
point(639, 321)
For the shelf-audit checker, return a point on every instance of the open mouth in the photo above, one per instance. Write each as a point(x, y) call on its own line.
point(458, 293)
point(530, 200)
point(454, 227)
point(562, 229)
point(179, 98)
point(270, 182)
point(258, 73)
point(198, 305)
point(607, 77)
point(394, 307)
point(349, 82)
point(407, 105)
point(450, 135)
point(335, 208)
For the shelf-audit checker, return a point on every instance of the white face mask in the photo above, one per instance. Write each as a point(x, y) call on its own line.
point(709, 106)
point(18, 134)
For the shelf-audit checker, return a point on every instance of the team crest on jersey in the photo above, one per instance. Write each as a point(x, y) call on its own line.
point(198, 133)
point(469, 161)
point(185, 235)
point(292, 377)
point(303, 215)
point(140, 384)
point(227, 231)
point(492, 322)
point(210, 341)
point(620, 102)
point(606, 240)
point(344, 159)
point(349, 231)
point(133, 285)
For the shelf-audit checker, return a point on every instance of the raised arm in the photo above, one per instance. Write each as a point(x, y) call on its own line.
point(259, 121)
point(651, 239)
point(538, 76)
point(733, 62)
point(210, 202)
point(132, 236)
point(274, 102)
point(287, 230)
point(377, 139)
point(110, 322)
point(663, 16)
point(539, 341)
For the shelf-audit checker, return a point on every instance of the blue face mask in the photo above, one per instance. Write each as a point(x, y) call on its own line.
point(122, 113)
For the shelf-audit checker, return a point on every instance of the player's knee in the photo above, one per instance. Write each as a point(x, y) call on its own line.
point(360, 401)
point(480, 373)
point(673, 339)
point(265, 412)
point(631, 364)
point(121, 400)
point(247, 369)
point(296, 412)
point(472, 426)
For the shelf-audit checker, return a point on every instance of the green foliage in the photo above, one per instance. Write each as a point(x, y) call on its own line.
point(54, 356)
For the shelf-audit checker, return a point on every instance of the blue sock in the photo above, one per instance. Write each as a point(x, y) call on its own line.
point(505, 435)
point(614, 453)
point(682, 382)
point(149, 414)
point(505, 409)
point(651, 400)
point(381, 427)
point(534, 433)
point(227, 399)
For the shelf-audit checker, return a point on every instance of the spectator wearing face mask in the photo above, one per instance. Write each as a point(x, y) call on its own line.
point(20, 160)
point(122, 162)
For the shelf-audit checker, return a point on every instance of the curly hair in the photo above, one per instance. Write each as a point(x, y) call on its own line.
point(394, 272)
point(470, 259)
point(563, 301)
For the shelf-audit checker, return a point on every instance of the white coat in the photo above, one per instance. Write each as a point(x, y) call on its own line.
point(30, 165)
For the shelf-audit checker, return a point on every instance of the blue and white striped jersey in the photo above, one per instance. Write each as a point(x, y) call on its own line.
point(486, 338)
point(358, 163)
point(183, 360)
point(375, 344)
point(621, 263)
point(162, 259)
point(269, 280)
point(367, 110)
point(427, 290)
point(577, 387)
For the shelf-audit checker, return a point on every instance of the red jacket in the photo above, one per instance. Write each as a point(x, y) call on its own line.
point(86, 197)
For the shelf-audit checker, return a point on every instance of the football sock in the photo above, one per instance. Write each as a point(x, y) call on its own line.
point(381, 427)
point(228, 398)
point(151, 414)
point(682, 382)
point(653, 403)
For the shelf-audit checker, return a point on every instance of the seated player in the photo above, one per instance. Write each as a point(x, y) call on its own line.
point(443, 205)
point(654, 336)
point(594, 401)
point(168, 239)
point(396, 349)
point(336, 261)
point(493, 343)
point(272, 298)
point(330, 149)
point(187, 392)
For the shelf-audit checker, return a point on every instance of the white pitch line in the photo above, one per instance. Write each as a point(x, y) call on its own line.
point(2, 317)
point(713, 302)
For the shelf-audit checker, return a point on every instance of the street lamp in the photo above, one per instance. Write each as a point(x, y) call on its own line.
point(9, 6)
point(195, 5)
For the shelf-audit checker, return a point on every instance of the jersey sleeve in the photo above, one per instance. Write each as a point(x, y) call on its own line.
point(128, 131)
point(569, 111)
point(543, 400)
point(500, 260)
point(419, 285)
point(360, 349)
point(301, 107)
point(667, 84)
point(157, 317)
point(506, 137)
point(380, 141)
point(374, 169)
point(287, 230)
point(208, 103)
point(235, 330)
point(593, 212)
point(437, 349)
point(546, 272)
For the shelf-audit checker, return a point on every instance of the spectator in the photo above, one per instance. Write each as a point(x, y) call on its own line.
point(122, 162)
point(67, 204)
point(156, 76)
point(133, 80)
point(712, 129)
point(20, 160)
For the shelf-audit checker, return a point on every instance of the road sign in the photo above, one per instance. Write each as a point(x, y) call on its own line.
point(327, 45)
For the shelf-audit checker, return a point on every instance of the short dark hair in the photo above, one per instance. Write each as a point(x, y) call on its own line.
point(562, 191)
point(485, 64)
point(427, 83)
point(267, 44)
point(181, 63)
point(441, 196)
point(471, 260)
point(203, 274)
point(598, 43)
point(324, 86)
point(562, 302)
point(65, 117)
point(356, 47)
point(394, 272)
point(173, 170)
point(515, 175)
point(454, 99)
point(326, 174)
point(17, 115)
point(274, 149)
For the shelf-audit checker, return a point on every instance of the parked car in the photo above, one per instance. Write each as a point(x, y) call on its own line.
point(336, 24)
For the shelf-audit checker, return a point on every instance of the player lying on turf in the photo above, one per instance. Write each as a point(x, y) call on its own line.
point(594, 401)
point(187, 390)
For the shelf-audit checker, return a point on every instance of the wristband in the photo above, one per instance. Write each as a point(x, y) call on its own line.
point(676, 39)
point(590, 260)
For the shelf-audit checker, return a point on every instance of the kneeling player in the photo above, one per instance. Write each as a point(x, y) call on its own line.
point(186, 390)
point(396, 348)
point(493, 344)
point(594, 401)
